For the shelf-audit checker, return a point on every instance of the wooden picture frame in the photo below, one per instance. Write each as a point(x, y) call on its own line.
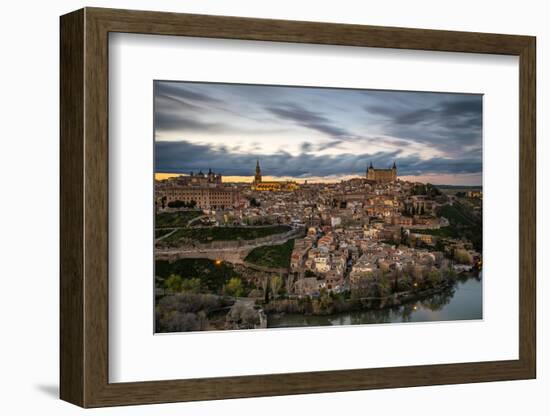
point(84, 207)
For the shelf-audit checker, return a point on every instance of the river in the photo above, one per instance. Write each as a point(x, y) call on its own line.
point(462, 302)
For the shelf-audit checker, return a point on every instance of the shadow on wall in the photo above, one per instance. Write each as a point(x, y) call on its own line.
point(49, 390)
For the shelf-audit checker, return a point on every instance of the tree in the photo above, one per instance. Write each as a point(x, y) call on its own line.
point(309, 273)
point(395, 275)
point(177, 204)
point(276, 284)
point(289, 284)
point(450, 274)
point(417, 272)
point(173, 283)
point(234, 287)
point(325, 301)
point(462, 256)
point(409, 269)
point(192, 285)
point(185, 311)
point(419, 189)
point(182, 204)
point(202, 320)
point(250, 317)
point(404, 236)
point(404, 282)
point(241, 316)
point(434, 277)
point(179, 322)
point(176, 284)
point(384, 286)
point(265, 288)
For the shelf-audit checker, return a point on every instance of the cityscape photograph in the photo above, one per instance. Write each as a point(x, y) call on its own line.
point(290, 206)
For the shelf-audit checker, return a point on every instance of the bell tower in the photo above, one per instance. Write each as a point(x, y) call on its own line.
point(258, 175)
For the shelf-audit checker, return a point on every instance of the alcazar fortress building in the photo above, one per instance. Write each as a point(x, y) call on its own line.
point(382, 175)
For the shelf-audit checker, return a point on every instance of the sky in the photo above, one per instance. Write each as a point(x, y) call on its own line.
point(318, 134)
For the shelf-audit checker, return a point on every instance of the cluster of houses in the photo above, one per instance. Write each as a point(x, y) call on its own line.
point(355, 228)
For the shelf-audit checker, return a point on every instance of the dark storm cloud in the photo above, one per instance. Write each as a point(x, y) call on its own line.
point(329, 145)
point(173, 89)
point(180, 109)
point(415, 117)
point(164, 102)
point(466, 112)
point(182, 157)
point(464, 107)
point(175, 110)
point(449, 123)
point(306, 147)
point(172, 121)
point(307, 118)
point(413, 166)
point(322, 131)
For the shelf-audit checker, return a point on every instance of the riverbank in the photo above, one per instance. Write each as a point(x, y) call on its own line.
point(460, 301)
point(331, 303)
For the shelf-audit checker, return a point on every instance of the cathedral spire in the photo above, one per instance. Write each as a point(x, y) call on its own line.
point(258, 175)
point(394, 165)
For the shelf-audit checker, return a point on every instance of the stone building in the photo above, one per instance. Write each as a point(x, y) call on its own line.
point(275, 186)
point(382, 175)
point(205, 197)
point(197, 179)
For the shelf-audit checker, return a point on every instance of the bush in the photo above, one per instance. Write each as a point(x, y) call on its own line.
point(462, 256)
point(184, 312)
point(188, 302)
point(434, 277)
point(175, 283)
point(182, 204)
point(234, 287)
point(212, 275)
point(179, 322)
point(242, 317)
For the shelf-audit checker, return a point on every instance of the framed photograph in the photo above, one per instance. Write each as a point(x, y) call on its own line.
point(255, 207)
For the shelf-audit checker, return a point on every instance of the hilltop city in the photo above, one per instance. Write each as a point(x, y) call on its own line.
point(244, 252)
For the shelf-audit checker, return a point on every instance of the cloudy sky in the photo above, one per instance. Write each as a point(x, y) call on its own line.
point(316, 133)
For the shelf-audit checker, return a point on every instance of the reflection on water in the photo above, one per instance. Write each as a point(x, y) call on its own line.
point(462, 302)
